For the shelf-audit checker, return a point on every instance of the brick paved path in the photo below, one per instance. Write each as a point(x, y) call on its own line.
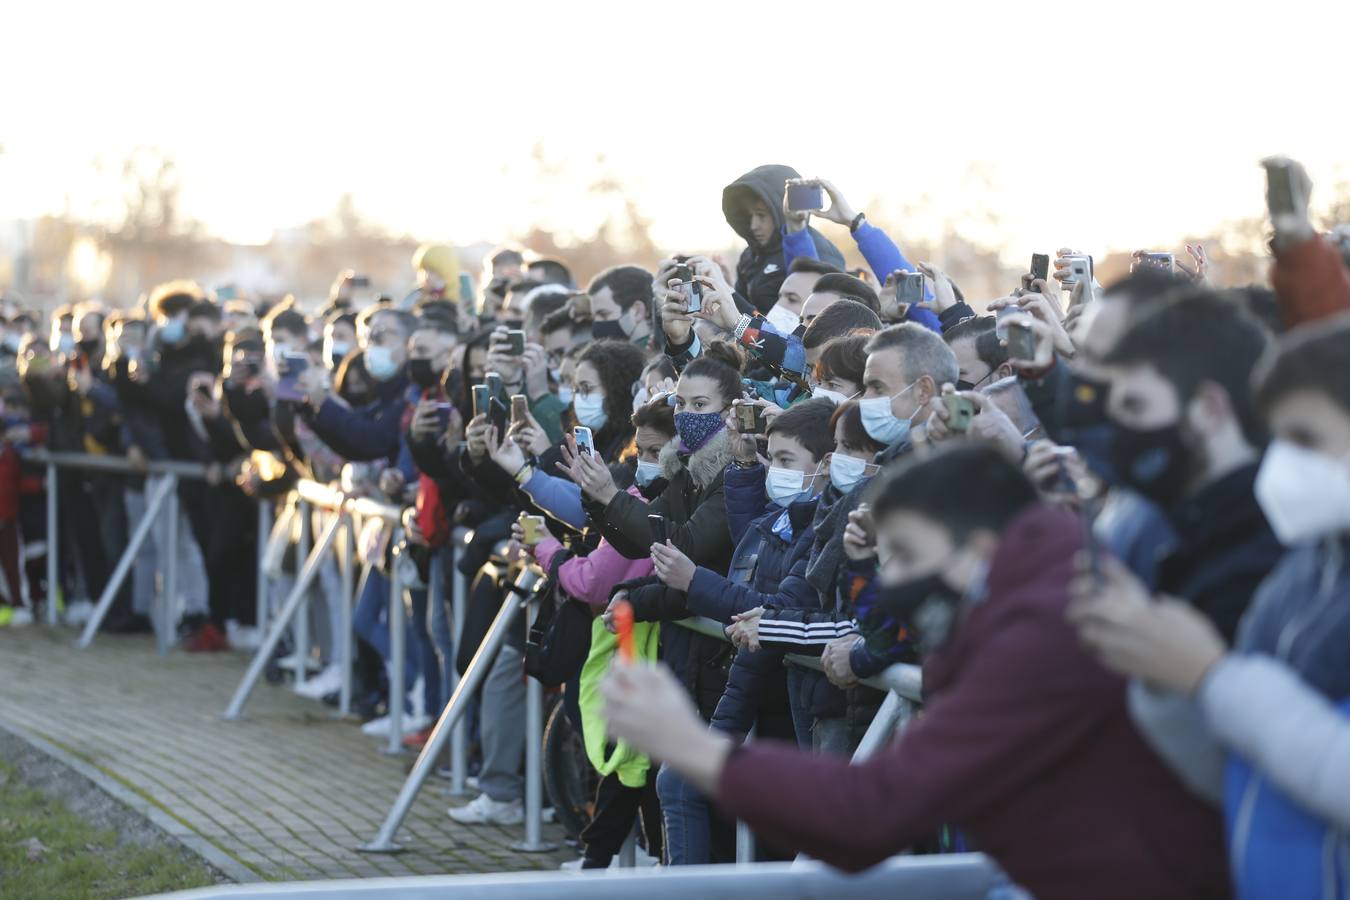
point(288, 791)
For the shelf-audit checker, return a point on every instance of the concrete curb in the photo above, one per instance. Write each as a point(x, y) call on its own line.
point(209, 852)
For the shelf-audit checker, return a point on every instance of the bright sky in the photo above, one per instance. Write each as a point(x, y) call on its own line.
point(1100, 125)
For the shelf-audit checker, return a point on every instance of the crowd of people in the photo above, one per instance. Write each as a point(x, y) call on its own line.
point(1107, 522)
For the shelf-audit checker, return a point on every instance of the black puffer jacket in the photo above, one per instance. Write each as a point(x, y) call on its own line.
point(760, 270)
point(695, 510)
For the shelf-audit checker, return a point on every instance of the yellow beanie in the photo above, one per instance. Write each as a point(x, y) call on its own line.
point(441, 260)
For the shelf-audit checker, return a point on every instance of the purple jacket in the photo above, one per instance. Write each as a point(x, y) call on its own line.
point(590, 579)
point(1025, 743)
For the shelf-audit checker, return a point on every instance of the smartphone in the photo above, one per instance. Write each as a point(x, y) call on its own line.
point(1040, 266)
point(960, 410)
point(533, 526)
point(493, 380)
point(1165, 262)
point(520, 408)
point(805, 197)
point(359, 281)
point(288, 371)
point(660, 533)
point(1021, 340)
point(515, 342)
point(1282, 194)
point(1079, 267)
point(443, 416)
point(585, 441)
point(1001, 318)
point(481, 394)
point(749, 417)
point(497, 415)
point(909, 290)
point(581, 307)
point(692, 290)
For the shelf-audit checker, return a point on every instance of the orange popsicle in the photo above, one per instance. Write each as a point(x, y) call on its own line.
point(623, 624)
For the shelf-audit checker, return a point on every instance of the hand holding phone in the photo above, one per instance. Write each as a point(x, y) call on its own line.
point(1287, 196)
point(960, 410)
point(1021, 339)
point(1040, 266)
point(660, 532)
point(804, 195)
point(585, 441)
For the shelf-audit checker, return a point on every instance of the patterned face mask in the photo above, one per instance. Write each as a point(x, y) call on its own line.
point(696, 429)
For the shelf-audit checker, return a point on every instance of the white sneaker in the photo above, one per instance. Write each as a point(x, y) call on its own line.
point(243, 637)
point(78, 612)
point(483, 810)
point(21, 616)
point(572, 865)
point(326, 682)
point(380, 727)
point(292, 663)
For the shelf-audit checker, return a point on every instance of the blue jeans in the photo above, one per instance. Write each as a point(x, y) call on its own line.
point(686, 814)
point(371, 622)
point(421, 647)
point(443, 649)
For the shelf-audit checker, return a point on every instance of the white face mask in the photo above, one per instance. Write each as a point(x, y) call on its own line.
point(590, 410)
point(1304, 494)
point(786, 486)
point(880, 423)
point(833, 396)
point(784, 321)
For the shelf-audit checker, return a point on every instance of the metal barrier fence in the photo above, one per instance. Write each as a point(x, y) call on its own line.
point(964, 876)
point(901, 683)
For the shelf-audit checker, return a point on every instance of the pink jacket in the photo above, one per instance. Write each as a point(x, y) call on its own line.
point(591, 578)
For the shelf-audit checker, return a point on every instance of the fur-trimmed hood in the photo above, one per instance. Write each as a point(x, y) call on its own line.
point(703, 465)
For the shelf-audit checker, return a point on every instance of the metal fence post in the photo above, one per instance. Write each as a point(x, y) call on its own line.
point(264, 533)
point(348, 585)
point(398, 653)
point(534, 776)
point(169, 600)
point(124, 565)
point(300, 630)
point(53, 545)
point(383, 842)
point(459, 738)
point(282, 621)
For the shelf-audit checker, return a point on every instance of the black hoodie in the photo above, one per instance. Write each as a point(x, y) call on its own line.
point(761, 270)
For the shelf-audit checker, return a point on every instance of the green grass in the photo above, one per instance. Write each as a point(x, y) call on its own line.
point(80, 861)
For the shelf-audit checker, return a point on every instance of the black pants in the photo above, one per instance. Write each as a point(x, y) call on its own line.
point(616, 808)
point(228, 537)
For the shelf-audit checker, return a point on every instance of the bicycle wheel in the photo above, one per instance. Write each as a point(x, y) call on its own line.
point(569, 778)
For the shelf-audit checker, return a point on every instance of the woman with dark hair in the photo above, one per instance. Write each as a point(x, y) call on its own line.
point(693, 511)
point(839, 370)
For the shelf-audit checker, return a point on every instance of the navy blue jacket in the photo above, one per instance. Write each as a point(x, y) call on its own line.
point(766, 570)
point(366, 433)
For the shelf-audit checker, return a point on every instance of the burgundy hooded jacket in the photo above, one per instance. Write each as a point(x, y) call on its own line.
point(1024, 743)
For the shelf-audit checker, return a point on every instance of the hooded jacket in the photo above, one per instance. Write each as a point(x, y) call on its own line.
point(760, 270)
point(1025, 744)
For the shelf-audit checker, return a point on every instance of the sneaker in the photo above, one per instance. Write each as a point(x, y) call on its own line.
point(483, 810)
point(380, 727)
point(244, 637)
point(572, 865)
point(79, 612)
point(326, 682)
point(207, 639)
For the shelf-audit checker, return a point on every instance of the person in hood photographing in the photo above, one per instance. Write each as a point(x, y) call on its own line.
point(753, 206)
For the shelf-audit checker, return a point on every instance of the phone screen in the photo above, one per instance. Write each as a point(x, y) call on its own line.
point(1280, 190)
point(1040, 266)
point(805, 197)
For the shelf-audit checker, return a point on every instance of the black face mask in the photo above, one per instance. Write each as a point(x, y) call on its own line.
point(246, 406)
point(608, 330)
point(1156, 463)
point(926, 608)
point(422, 374)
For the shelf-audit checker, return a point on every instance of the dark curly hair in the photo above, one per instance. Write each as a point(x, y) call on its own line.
point(619, 364)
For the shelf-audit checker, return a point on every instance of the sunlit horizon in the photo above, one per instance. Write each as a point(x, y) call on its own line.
point(1068, 124)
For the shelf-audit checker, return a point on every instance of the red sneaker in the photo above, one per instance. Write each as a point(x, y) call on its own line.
point(208, 639)
point(418, 739)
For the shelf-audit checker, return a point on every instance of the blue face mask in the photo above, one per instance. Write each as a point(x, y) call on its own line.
point(380, 363)
point(785, 486)
point(880, 423)
point(565, 394)
point(696, 429)
point(846, 471)
point(173, 331)
point(647, 472)
point(590, 410)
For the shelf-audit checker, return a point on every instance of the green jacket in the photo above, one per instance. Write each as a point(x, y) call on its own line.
point(631, 765)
